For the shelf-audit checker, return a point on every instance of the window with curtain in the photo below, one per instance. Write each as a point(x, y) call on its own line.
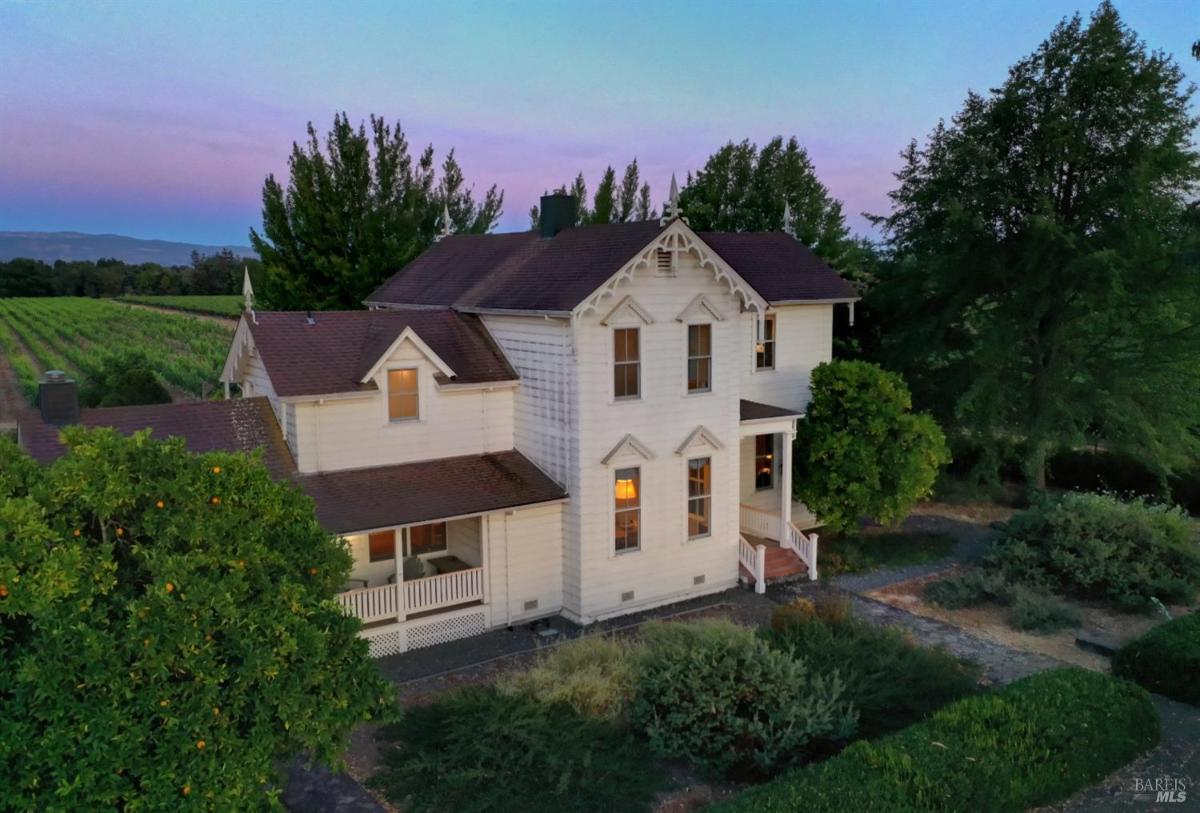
point(382, 545)
point(764, 462)
point(403, 401)
point(429, 538)
point(699, 358)
point(699, 497)
point(627, 488)
point(764, 354)
point(627, 363)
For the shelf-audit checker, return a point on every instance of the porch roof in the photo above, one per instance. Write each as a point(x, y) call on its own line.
point(755, 411)
point(385, 496)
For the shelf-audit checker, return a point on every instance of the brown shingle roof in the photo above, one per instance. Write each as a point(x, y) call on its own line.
point(363, 499)
point(241, 425)
point(334, 354)
point(524, 271)
point(755, 411)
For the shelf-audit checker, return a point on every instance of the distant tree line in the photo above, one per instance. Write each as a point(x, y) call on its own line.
point(219, 273)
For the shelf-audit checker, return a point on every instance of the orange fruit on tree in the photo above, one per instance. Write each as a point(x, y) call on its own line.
point(78, 532)
point(170, 587)
point(200, 744)
point(159, 504)
point(216, 469)
point(3, 591)
point(186, 789)
point(215, 500)
point(312, 571)
point(120, 531)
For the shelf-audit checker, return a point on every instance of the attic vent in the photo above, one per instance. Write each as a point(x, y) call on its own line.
point(627, 596)
point(698, 579)
point(532, 604)
point(664, 263)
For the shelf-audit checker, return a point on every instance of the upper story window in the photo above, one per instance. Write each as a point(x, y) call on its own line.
point(699, 361)
point(764, 462)
point(429, 538)
point(699, 497)
point(403, 400)
point(627, 488)
point(627, 363)
point(764, 352)
point(382, 545)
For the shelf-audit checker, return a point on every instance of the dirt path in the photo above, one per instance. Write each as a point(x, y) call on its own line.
point(225, 321)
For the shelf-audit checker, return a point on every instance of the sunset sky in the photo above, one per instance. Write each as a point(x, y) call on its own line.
point(160, 120)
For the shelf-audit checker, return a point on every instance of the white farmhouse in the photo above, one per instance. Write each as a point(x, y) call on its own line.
point(576, 421)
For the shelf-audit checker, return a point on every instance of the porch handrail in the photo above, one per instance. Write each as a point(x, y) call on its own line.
point(445, 590)
point(754, 559)
point(805, 546)
point(371, 603)
point(757, 522)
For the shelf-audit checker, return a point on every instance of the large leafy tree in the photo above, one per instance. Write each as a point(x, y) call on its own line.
point(354, 211)
point(1045, 286)
point(861, 451)
point(744, 188)
point(166, 629)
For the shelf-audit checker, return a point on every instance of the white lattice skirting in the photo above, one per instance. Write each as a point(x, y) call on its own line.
point(398, 638)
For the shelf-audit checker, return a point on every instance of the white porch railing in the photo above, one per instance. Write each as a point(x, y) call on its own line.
point(371, 603)
point(805, 546)
point(754, 559)
point(758, 522)
point(448, 589)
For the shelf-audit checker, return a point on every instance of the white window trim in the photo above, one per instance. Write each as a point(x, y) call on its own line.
point(387, 397)
point(773, 318)
point(612, 379)
point(690, 393)
point(687, 499)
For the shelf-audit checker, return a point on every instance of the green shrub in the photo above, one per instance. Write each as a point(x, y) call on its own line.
point(476, 749)
point(594, 676)
point(1035, 742)
point(967, 589)
point(1097, 547)
point(856, 553)
point(716, 695)
point(124, 379)
point(891, 681)
point(1032, 611)
point(1166, 659)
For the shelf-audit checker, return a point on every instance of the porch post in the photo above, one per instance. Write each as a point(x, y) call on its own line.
point(785, 482)
point(485, 542)
point(401, 610)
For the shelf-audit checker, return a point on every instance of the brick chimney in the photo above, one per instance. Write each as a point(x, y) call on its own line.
point(58, 398)
point(556, 213)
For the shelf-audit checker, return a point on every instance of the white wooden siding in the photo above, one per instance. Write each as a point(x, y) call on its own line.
point(803, 339)
point(525, 563)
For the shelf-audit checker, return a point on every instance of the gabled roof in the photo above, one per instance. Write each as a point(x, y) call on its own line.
point(365, 499)
point(524, 271)
point(341, 347)
point(241, 425)
point(755, 411)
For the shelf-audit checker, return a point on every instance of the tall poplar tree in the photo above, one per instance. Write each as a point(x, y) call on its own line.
point(1045, 288)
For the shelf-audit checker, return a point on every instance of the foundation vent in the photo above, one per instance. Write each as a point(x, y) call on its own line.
point(532, 604)
point(627, 596)
point(698, 579)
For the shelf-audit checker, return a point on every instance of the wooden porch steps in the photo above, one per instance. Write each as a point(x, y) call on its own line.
point(782, 563)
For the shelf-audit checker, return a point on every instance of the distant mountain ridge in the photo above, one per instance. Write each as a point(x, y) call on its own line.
point(49, 246)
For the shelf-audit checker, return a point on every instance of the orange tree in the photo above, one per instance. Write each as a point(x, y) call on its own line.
point(167, 630)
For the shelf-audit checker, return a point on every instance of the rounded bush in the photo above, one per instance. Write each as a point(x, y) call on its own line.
point(1165, 660)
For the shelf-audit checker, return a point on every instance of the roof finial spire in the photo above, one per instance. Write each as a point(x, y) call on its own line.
point(672, 210)
point(248, 294)
point(446, 232)
point(789, 221)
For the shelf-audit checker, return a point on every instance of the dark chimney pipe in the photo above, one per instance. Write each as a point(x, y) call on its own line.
point(58, 398)
point(557, 213)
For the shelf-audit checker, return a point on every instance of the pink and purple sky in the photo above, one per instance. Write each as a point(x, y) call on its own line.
point(160, 120)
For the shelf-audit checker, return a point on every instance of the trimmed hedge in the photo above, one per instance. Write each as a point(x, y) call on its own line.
point(1032, 743)
point(1166, 659)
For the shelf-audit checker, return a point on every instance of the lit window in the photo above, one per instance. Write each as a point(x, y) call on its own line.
point(429, 538)
point(402, 395)
point(764, 353)
point(382, 545)
point(627, 492)
point(699, 358)
point(764, 462)
point(627, 365)
point(699, 497)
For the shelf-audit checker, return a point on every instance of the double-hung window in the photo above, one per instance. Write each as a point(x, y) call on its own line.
point(382, 545)
point(699, 497)
point(764, 462)
point(628, 494)
point(764, 352)
point(402, 394)
point(699, 359)
point(627, 363)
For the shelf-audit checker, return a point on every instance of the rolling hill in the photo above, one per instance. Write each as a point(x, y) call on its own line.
point(69, 245)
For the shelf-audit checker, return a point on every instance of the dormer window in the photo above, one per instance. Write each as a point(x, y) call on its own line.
point(402, 395)
point(764, 351)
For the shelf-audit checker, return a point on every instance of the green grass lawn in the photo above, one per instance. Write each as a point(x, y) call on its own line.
point(859, 553)
point(216, 304)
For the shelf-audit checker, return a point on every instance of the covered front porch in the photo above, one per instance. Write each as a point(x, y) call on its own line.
point(773, 541)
